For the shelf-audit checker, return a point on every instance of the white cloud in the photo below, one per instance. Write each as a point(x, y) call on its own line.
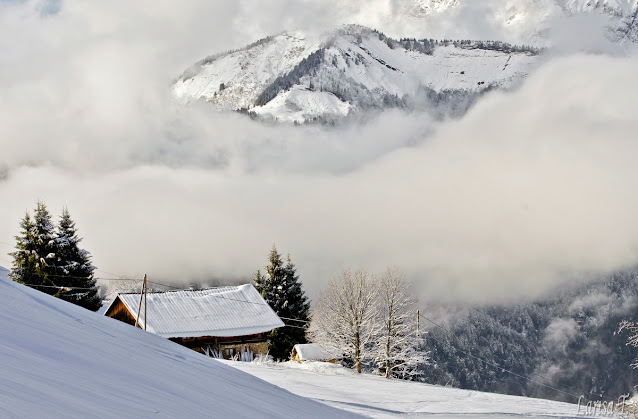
point(558, 334)
point(529, 186)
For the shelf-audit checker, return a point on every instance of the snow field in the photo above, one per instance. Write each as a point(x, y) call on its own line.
point(378, 397)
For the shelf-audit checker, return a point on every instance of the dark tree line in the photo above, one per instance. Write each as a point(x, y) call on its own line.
point(307, 66)
point(570, 342)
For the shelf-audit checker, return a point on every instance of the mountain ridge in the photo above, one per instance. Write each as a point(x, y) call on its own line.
point(292, 77)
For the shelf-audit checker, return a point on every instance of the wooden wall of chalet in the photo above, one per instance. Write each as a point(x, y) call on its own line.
point(257, 343)
point(119, 312)
point(197, 342)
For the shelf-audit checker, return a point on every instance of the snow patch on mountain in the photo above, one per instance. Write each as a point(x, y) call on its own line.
point(529, 21)
point(430, 7)
point(233, 80)
point(616, 7)
point(301, 104)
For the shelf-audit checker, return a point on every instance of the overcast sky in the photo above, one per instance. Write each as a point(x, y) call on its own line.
point(530, 188)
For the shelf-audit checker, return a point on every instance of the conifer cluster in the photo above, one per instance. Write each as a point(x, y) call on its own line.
point(49, 259)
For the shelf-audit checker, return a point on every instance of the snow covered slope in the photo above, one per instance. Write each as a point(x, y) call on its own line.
point(608, 6)
point(232, 80)
point(430, 7)
point(425, 8)
point(377, 397)
point(291, 78)
point(60, 360)
point(528, 20)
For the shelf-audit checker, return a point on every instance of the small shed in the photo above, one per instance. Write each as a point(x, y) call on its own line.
point(226, 322)
point(311, 352)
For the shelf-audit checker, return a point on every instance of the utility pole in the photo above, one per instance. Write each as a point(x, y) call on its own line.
point(418, 340)
point(139, 308)
point(145, 290)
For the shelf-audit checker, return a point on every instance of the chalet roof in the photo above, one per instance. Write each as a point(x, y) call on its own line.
point(224, 311)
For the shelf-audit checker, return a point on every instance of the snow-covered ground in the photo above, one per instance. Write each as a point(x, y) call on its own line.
point(58, 360)
point(377, 397)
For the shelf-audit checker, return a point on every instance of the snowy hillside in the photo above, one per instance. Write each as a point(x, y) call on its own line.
point(60, 360)
point(292, 78)
point(233, 80)
point(377, 397)
point(608, 6)
point(430, 7)
point(529, 20)
point(425, 8)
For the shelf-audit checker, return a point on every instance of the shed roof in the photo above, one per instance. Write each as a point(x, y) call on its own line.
point(312, 352)
point(222, 312)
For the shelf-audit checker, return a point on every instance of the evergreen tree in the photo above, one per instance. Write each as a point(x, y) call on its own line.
point(25, 258)
point(50, 260)
point(73, 266)
point(33, 261)
point(282, 290)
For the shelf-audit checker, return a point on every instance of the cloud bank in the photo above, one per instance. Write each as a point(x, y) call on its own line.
point(529, 188)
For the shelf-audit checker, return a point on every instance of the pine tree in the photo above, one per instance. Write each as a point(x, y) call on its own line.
point(33, 261)
point(73, 266)
point(50, 260)
point(282, 290)
point(24, 258)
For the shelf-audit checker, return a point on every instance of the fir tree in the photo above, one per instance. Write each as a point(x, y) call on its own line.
point(50, 260)
point(73, 266)
point(25, 258)
point(33, 261)
point(282, 290)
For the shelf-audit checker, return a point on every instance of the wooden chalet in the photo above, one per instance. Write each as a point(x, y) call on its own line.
point(226, 322)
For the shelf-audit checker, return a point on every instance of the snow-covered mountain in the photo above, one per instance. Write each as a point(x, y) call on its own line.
point(426, 8)
point(607, 6)
point(292, 77)
point(297, 78)
point(529, 19)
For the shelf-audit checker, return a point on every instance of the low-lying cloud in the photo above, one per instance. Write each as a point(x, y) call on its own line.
point(530, 187)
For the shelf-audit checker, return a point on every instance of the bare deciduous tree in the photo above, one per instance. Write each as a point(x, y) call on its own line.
point(397, 350)
point(344, 317)
point(632, 340)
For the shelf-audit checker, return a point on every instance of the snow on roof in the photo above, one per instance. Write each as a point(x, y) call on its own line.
point(312, 352)
point(225, 311)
